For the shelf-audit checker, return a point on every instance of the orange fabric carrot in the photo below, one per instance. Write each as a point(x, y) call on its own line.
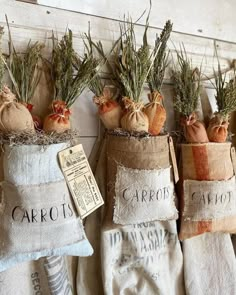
point(108, 109)
point(155, 112)
point(59, 119)
point(194, 130)
point(218, 129)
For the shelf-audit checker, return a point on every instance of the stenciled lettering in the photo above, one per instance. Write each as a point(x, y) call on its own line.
point(148, 239)
point(211, 198)
point(146, 195)
point(36, 283)
point(40, 215)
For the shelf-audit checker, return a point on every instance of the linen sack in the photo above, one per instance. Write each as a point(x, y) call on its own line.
point(209, 265)
point(141, 255)
point(37, 214)
point(208, 202)
point(46, 276)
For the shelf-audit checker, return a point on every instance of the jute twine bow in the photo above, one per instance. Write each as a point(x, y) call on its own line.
point(190, 120)
point(59, 107)
point(155, 98)
point(221, 122)
point(104, 98)
point(132, 105)
point(6, 96)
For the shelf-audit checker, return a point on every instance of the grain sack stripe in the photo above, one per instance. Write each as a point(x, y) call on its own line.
point(201, 162)
point(68, 290)
point(203, 227)
point(59, 284)
point(58, 281)
point(54, 262)
point(54, 278)
point(57, 277)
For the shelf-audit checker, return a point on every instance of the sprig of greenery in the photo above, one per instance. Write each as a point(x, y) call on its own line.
point(2, 67)
point(225, 93)
point(71, 74)
point(25, 72)
point(24, 68)
point(132, 65)
point(187, 83)
point(95, 85)
point(128, 66)
point(157, 72)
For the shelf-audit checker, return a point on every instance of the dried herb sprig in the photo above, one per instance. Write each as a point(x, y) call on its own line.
point(187, 83)
point(70, 73)
point(157, 72)
point(24, 70)
point(132, 65)
point(95, 85)
point(225, 93)
point(108, 60)
point(128, 66)
point(2, 66)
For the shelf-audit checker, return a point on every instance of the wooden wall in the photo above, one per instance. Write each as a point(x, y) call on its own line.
point(197, 25)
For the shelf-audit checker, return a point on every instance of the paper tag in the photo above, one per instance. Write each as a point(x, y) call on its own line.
point(209, 200)
point(80, 180)
point(144, 195)
point(173, 159)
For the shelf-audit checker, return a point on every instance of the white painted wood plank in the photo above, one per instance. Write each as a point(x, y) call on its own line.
point(87, 143)
point(208, 18)
point(101, 29)
point(84, 115)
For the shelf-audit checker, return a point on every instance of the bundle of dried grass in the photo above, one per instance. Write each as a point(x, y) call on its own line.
point(154, 109)
point(187, 83)
point(226, 102)
point(71, 75)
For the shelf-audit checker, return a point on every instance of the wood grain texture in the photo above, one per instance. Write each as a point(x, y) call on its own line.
point(212, 19)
